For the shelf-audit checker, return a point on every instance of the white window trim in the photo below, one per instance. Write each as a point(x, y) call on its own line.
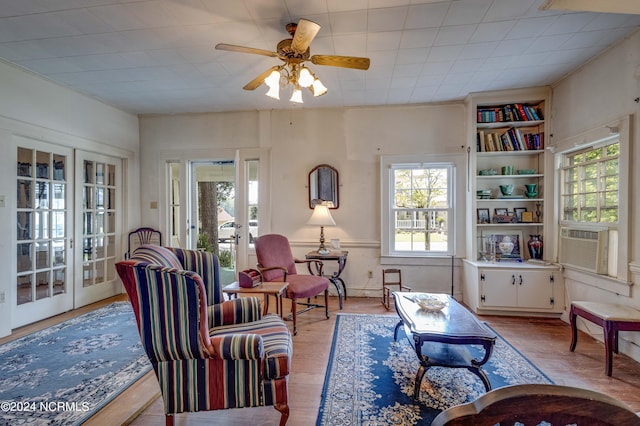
point(582, 141)
point(456, 235)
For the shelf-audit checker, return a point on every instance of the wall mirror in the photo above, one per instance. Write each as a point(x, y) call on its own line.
point(323, 186)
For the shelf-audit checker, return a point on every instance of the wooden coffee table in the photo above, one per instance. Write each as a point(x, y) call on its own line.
point(274, 288)
point(440, 338)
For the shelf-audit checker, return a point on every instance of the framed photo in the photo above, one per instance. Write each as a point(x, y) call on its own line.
point(527, 217)
point(508, 246)
point(483, 216)
point(501, 211)
point(518, 212)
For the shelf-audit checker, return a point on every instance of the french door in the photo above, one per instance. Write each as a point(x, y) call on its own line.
point(98, 221)
point(67, 221)
point(44, 223)
point(232, 184)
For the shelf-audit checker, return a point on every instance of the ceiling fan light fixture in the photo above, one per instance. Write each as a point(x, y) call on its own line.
point(305, 79)
point(318, 88)
point(273, 82)
point(296, 96)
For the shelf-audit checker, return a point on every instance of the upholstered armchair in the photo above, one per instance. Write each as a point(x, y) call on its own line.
point(276, 263)
point(207, 353)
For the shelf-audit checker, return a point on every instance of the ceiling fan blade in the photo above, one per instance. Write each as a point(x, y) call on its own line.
point(305, 33)
point(257, 82)
point(341, 61)
point(243, 49)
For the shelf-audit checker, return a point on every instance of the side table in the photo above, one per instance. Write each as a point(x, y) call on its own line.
point(276, 289)
point(341, 257)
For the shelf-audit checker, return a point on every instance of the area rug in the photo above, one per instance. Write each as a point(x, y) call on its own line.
point(370, 378)
point(64, 374)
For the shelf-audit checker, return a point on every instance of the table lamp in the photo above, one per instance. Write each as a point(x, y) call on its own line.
point(321, 217)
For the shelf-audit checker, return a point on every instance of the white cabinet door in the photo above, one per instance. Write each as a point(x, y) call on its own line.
point(535, 289)
point(498, 288)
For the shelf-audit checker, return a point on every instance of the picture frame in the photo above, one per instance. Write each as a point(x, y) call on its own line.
point(501, 211)
point(483, 216)
point(527, 217)
point(518, 212)
point(508, 246)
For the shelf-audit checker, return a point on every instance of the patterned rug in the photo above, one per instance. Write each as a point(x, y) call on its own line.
point(64, 374)
point(370, 378)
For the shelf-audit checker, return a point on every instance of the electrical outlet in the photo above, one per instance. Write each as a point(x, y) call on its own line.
point(370, 274)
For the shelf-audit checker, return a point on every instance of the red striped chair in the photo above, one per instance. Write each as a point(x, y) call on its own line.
point(207, 353)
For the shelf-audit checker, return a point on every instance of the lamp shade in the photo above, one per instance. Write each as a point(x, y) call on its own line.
point(321, 216)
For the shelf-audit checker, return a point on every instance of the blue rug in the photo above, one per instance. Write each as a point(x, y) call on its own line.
point(64, 374)
point(370, 379)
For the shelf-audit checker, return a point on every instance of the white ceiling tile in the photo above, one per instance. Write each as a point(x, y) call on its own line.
point(419, 38)
point(349, 22)
point(491, 31)
point(384, 41)
point(508, 10)
point(569, 23)
point(427, 15)
point(454, 35)
point(391, 19)
point(462, 12)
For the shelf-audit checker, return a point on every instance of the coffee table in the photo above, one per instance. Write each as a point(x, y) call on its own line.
point(441, 338)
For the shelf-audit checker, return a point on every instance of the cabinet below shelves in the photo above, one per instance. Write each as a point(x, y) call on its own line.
point(519, 288)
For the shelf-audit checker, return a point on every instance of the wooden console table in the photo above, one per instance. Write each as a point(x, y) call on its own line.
point(341, 257)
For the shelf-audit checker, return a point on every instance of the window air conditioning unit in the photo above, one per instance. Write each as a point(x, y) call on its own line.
point(584, 249)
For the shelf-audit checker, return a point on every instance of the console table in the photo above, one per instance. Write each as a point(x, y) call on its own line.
point(440, 338)
point(341, 257)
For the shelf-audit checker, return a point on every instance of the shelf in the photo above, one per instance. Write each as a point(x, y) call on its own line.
point(537, 175)
point(502, 200)
point(501, 124)
point(509, 225)
point(518, 152)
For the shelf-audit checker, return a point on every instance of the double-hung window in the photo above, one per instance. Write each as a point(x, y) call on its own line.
point(594, 192)
point(418, 217)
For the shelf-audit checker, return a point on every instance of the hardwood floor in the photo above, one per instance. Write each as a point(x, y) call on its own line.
point(544, 341)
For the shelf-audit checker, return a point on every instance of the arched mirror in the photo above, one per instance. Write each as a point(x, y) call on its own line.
point(323, 186)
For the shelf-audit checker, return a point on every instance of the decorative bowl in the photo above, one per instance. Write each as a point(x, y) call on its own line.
point(506, 189)
point(531, 194)
point(526, 171)
point(488, 172)
point(429, 303)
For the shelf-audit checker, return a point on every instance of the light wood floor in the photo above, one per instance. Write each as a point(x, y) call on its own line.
point(544, 341)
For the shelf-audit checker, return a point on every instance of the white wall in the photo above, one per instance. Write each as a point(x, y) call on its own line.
point(35, 108)
point(349, 139)
point(604, 90)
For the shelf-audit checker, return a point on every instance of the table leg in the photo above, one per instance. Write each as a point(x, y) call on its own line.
point(334, 280)
point(266, 304)
point(419, 377)
point(609, 337)
point(574, 329)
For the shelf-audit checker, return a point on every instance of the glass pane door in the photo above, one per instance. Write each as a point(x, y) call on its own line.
point(99, 197)
point(43, 223)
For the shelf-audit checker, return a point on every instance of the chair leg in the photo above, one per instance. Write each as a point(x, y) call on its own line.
point(326, 303)
point(168, 418)
point(293, 315)
point(284, 410)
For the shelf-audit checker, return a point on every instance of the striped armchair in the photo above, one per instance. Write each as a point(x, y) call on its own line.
point(207, 353)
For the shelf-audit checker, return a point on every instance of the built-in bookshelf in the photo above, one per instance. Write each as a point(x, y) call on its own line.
point(507, 190)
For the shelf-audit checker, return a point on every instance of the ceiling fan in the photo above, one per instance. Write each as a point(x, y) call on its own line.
point(294, 52)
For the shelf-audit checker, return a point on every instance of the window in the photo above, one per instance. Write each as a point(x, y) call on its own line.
point(594, 195)
point(419, 213)
point(590, 180)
